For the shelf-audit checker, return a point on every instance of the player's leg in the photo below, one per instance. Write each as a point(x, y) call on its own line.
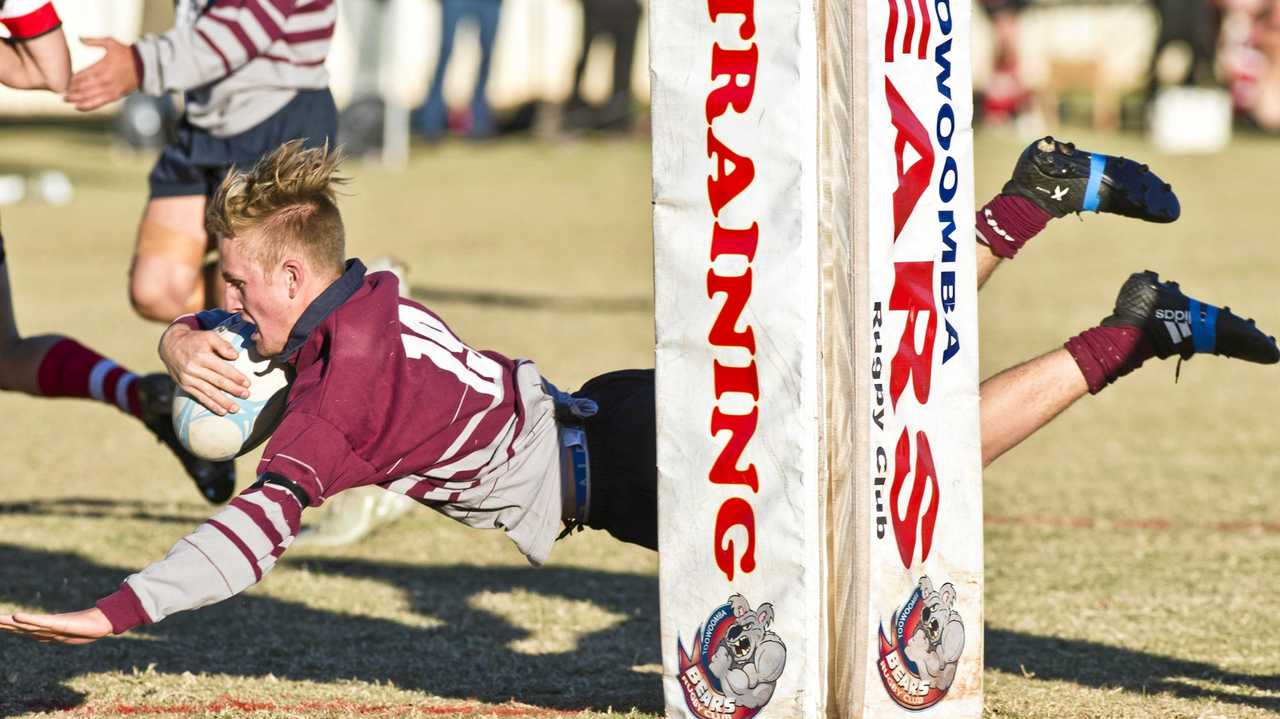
point(1022, 399)
point(1150, 319)
point(19, 357)
point(622, 444)
point(167, 278)
point(58, 366)
point(1053, 179)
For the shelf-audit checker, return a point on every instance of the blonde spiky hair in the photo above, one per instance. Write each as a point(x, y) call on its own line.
point(290, 198)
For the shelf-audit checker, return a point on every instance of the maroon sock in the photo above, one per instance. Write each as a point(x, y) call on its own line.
point(1007, 222)
point(1105, 354)
point(69, 369)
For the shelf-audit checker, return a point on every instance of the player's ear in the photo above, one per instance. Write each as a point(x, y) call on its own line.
point(295, 275)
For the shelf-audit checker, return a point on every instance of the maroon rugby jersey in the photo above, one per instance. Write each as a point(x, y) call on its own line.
point(385, 394)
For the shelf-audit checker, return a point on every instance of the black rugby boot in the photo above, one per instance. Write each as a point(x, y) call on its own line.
point(216, 481)
point(1061, 180)
point(1179, 325)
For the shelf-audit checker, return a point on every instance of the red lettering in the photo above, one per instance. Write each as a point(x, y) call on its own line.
point(737, 379)
point(735, 242)
point(745, 8)
point(924, 476)
point(737, 290)
point(733, 75)
point(739, 69)
point(726, 183)
point(735, 512)
point(891, 31)
point(913, 294)
point(741, 428)
point(913, 181)
point(926, 24)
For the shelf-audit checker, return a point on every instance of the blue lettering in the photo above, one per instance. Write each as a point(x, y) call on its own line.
point(942, 9)
point(944, 65)
point(949, 180)
point(948, 220)
point(946, 125)
point(948, 293)
point(953, 343)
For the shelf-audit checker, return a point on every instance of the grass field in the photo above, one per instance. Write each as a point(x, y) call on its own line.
point(1131, 546)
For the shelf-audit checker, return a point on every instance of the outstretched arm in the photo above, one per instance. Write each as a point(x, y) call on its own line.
point(224, 556)
point(39, 63)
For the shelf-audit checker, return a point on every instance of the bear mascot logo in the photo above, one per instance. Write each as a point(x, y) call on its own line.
point(736, 663)
point(918, 658)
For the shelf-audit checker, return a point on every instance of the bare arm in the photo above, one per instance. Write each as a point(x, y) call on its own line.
point(41, 63)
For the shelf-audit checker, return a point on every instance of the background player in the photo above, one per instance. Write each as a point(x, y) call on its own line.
point(36, 57)
point(478, 436)
point(253, 76)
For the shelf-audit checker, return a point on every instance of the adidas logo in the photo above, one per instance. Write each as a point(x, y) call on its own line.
point(1178, 331)
point(1177, 322)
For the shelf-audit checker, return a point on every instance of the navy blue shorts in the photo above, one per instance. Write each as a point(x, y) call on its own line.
point(622, 443)
point(196, 162)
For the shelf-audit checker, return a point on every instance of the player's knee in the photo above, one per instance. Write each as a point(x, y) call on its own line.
point(157, 296)
point(166, 266)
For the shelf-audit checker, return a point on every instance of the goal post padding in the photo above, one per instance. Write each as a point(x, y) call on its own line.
point(820, 523)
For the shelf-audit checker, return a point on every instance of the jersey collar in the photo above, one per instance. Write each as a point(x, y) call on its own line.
point(321, 307)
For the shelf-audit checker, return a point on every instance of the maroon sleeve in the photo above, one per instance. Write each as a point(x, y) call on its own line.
point(123, 610)
point(313, 454)
point(138, 67)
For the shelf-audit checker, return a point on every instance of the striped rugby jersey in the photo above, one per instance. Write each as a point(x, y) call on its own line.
point(238, 61)
point(387, 395)
point(28, 19)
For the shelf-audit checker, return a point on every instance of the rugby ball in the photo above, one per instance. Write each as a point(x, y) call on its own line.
point(218, 439)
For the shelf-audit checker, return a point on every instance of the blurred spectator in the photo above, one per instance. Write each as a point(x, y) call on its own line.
point(1194, 23)
point(360, 124)
point(619, 20)
point(1005, 97)
point(367, 20)
point(430, 120)
point(1251, 57)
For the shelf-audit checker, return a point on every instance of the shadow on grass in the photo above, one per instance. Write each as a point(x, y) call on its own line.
point(1104, 666)
point(490, 298)
point(468, 656)
point(95, 508)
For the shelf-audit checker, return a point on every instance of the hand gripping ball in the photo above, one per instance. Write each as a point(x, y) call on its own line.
point(218, 439)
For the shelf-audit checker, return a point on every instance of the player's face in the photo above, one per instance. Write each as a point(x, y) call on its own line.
point(267, 297)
